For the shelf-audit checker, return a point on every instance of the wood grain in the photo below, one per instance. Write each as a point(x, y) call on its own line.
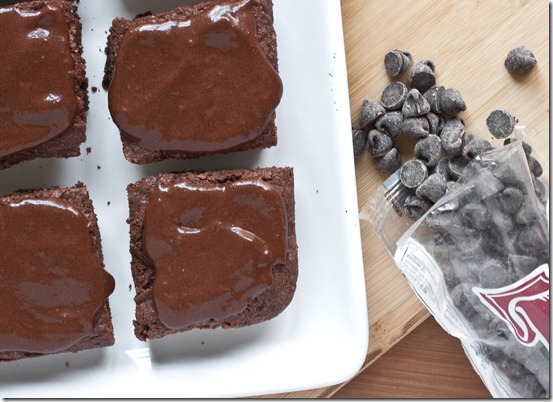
point(468, 41)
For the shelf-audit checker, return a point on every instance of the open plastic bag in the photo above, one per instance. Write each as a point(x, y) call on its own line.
point(479, 260)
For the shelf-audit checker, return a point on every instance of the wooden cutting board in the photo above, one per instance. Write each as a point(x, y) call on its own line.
point(468, 41)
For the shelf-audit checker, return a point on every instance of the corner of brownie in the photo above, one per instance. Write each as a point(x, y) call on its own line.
point(44, 103)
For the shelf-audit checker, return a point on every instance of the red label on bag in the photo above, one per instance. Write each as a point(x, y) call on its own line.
point(523, 305)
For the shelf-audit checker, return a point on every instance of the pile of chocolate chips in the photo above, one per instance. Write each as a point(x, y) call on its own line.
point(428, 115)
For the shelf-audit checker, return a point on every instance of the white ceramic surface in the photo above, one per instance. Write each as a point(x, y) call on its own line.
point(322, 337)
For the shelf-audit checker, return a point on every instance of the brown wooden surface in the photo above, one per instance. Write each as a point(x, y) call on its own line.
point(427, 363)
point(468, 41)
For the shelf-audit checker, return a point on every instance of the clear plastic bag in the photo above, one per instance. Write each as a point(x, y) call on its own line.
point(479, 260)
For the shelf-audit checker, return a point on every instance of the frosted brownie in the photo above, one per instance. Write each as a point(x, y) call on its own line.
point(194, 81)
point(53, 286)
point(42, 82)
point(213, 249)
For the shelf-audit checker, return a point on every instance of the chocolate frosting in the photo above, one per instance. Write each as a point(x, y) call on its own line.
point(37, 90)
point(197, 84)
point(213, 248)
point(52, 283)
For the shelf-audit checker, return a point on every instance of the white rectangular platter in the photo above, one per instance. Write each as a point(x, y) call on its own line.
point(322, 337)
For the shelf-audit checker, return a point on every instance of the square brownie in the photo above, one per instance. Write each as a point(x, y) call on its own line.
point(212, 249)
point(53, 286)
point(197, 80)
point(42, 81)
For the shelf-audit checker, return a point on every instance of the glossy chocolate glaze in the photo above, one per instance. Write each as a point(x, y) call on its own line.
point(213, 248)
point(51, 281)
point(37, 94)
point(197, 84)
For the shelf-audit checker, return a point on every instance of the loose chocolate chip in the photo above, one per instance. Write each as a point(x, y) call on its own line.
point(429, 150)
point(394, 96)
point(421, 77)
point(429, 63)
point(534, 165)
point(413, 173)
point(500, 123)
point(388, 163)
point(433, 96)
point(452, 136)
point(370, 112)
point(433, 188)
point(475, 216)
point(435, 123)
point(397, 62)
point(415, 127)
point(510, 200)
point(493, 274)
point(378, 144)
point(415, 207)
point(390, 124)
point(520, 61)
point(476, 147)
point(452, 102)
point(359, 141)
point(527, 147)
point(456, 166)
point(442, 168)
point(415, 104)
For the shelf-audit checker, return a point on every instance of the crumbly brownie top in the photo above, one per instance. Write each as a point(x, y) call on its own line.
point(213, 247)
point(38, 98)
point(194, 83)
point(52, 284)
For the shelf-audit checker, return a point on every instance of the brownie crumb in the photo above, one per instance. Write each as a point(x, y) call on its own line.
point(109, 203)
point(130, 287)
point(94, 89)
point(98, 167)
point(67, 364)
point(88, 150)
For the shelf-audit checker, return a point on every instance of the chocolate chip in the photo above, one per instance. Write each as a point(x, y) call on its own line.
point(476, 147)
point(526, 213)
point(415, 104)
point(500, 123)
point(475, 216)
point(421, 77)
point(388, 163)
point(359, 141)
point(390, 124)
point(510, 200)
point(540, 189)
point(415, 207)
point(534, 165)
point(413, 173)
point(429, 150)
point(397, 62)
point(520, 61)
point(378, 144)
point(415, 127)
point(442, 168)
point(452, 136)
point(532, 241)
point(456, 166)
point(433, 188)
point(522, 264)
point(435, 123)
point(493, 274)
point(394, 96)
point(433, 96)
point(370, 112)
point(451, 102)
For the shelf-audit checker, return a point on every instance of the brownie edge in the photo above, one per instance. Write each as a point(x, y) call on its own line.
point(263, 307)
point(102, 325)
